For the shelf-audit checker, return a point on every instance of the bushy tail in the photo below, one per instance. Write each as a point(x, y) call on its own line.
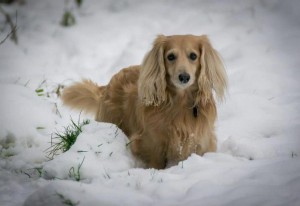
point(84, 96)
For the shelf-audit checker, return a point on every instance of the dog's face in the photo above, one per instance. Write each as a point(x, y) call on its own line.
point(182, 60)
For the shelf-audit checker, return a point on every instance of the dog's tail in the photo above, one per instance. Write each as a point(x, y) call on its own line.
point(84, 96)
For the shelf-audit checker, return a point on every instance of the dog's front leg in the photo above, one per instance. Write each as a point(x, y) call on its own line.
point(152, 153)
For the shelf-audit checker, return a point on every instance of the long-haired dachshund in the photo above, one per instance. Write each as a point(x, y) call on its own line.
point(166, 105)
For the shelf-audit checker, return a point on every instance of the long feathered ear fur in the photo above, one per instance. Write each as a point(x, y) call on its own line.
point(212, 75)
point(152, 80)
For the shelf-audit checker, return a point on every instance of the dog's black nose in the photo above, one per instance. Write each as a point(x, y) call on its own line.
point(184, 77)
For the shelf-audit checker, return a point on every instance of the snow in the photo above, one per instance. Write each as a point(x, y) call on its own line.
point(258, 126)
point(103, 144)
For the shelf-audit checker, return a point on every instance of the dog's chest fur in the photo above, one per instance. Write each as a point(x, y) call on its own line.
point(181, 133)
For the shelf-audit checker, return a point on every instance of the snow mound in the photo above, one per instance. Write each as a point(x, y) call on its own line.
point(99, 150)
point(25, 119)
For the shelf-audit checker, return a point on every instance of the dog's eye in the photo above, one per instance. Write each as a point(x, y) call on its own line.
point(171, 57)
point(193, 56)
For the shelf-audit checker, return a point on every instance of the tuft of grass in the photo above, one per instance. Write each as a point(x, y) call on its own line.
point(39, 171)
point(75, 174)
point(294, 154)
point(78, 3)
point(40, 128)
point(62, 141)
point(66, 201)
point(68, 19)
point(35, 172)
point(106, 175)
point(128, 143)
point(48, 90)
point(40, 92)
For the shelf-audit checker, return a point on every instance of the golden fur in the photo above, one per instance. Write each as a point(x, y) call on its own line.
point(165, 118)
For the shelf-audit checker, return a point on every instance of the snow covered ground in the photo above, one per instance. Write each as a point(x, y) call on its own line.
point(258, 129)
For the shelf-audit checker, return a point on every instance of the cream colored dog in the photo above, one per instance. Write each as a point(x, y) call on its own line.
point(165, 106)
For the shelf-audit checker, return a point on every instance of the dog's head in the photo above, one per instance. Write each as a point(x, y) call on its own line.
point(183, 61)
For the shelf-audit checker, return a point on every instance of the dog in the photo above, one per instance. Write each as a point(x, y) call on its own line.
point(167, 105)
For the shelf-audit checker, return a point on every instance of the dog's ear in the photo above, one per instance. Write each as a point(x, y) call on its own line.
point(152, 80)
point(212, 74)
